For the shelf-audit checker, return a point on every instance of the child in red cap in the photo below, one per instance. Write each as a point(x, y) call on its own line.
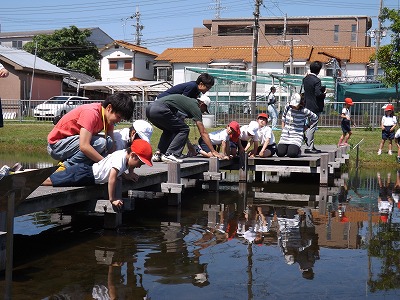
point(388, 124)
point(346, 123)
point(107, 170)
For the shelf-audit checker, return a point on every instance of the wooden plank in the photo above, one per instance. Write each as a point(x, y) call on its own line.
point(286, 169)
point(280, 196)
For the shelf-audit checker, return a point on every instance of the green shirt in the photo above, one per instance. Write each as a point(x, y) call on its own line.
point(187, 106)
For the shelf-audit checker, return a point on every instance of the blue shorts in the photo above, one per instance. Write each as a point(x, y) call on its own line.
point(203, 146)
point(75, 175)
point(387, 134)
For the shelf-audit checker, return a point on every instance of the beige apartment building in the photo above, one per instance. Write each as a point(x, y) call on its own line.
point(315, 31)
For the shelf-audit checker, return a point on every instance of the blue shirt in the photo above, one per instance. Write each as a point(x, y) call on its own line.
point(188, 89)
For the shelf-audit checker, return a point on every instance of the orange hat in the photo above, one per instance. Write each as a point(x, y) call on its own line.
point(389, 107)
point(234, 136)
point(263, 115)
point(349, 101)
point(143, 150)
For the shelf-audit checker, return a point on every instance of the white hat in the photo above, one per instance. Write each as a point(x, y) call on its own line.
point(143, 129)
point(295, 100)
point(253, 128)
point(289, 258)
point(206, 100)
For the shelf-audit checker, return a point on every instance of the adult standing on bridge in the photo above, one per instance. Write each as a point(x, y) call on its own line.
point(75, 138)
point(314, 94)
point(168, 114)
point(3, 74)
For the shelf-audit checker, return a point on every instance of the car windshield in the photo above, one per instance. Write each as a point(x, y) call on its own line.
point(55, 101)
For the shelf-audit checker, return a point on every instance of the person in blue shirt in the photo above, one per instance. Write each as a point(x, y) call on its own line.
point(191, 89)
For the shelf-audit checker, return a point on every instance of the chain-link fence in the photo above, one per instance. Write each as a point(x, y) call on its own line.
point(364, 114)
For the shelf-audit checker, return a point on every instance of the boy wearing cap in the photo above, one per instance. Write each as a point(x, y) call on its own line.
point(108, 170)
point(388, 124)
point(168, 114)
point(293, 120)
point(221, 138)
point(346, 123)
point(140, 129)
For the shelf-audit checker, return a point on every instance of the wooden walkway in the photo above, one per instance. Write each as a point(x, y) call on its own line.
point(160, 180)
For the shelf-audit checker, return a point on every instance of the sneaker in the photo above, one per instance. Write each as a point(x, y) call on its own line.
point(170, 158)
point(156, 157)
point(390, 152)
point(379, 152)
point(61, 167)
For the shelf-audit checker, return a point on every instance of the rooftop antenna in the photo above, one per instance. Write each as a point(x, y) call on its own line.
point(218, 8)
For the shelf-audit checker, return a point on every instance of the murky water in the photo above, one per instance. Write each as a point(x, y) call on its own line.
point(240, 243)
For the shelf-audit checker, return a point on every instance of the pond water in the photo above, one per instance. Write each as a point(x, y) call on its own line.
point(243, 242)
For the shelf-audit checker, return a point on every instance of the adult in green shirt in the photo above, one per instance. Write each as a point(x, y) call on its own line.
point(169, 114)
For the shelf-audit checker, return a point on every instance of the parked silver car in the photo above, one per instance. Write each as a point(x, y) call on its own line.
point(57, 106)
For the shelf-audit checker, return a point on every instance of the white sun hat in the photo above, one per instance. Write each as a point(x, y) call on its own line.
point(143, 129)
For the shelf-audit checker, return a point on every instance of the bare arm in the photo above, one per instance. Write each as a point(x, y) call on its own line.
point(85, 137)
point(3, 71)
point(204, 135)
point(112, 185)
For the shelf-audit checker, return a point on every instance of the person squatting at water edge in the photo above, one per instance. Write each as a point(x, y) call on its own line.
point(267, 145)
point(191, 89)
point(75, 138)
point(221, 139)
point(293, 120)
point(168, 114)
point(108, 170)
point(140, 129)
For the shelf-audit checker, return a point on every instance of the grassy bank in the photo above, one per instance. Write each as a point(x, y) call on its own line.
point(31, 138)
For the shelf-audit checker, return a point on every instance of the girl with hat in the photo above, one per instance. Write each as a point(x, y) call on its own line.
point(388, 124)
point(346, 123)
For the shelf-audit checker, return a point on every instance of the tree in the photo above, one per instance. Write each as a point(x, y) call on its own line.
point(67, 48)
point(389, 55)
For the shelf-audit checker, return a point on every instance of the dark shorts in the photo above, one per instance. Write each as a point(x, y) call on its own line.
point(345, 126)
point(75, 175)
point(271, 148)
point(203, 146)
point(387, 134)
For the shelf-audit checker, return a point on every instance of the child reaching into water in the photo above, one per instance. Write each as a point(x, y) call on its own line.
point(388, 124)
point(108, 170)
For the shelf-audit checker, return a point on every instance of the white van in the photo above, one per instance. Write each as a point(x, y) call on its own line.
point(57, 106)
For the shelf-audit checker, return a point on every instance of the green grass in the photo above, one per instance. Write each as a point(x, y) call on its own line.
point(32, 138)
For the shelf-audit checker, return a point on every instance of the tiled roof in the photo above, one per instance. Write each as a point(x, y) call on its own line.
point(266, 54)
point(130, 47)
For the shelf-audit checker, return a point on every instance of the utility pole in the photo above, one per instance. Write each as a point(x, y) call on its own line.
point(138, 26)
point(378, 35)
point(291, 53)
point(256, 27)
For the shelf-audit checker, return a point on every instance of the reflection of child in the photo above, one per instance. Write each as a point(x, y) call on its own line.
point(385, 201)
point(346, 123)
point(388, 124)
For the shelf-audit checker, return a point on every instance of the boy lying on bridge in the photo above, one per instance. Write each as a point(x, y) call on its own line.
point(108, 170)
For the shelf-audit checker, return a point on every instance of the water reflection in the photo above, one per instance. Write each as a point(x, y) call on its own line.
point(245, 242)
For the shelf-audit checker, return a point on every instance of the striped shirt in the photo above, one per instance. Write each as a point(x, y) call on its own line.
point(292, 132)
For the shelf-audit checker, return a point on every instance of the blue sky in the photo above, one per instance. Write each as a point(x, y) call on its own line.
point(167, 23)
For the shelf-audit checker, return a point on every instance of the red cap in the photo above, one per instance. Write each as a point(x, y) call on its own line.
point(384, 218)
point(263, 115)
point(389, 107)
point(234, 136)
point(398, 205)
point(143, 150)
point(349, 101)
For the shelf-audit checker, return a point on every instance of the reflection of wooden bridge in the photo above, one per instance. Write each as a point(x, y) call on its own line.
point(162, 179)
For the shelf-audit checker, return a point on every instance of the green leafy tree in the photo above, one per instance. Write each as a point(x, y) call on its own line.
point(67, 48)
point(389, 55)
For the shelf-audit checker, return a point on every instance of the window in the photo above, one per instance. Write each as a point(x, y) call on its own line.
point(17, 44)
point(296, 70)
point(293, 29)
point(235, 30)
point(164, 74)
point(353, 33)
point(148, 65)
point(336, 33)
point(120, 64)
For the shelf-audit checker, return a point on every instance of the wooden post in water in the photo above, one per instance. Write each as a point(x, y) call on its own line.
point(173, 188)
point(324, 169)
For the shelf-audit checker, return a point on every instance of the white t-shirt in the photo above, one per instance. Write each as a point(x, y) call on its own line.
point(121, 138)
point(102, 169)
point(244, 134)
point(389, 120)
point(265, 133)
point(346, 112)
point(217, 137)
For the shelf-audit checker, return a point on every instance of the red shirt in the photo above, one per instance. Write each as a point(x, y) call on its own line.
point(88, 116)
